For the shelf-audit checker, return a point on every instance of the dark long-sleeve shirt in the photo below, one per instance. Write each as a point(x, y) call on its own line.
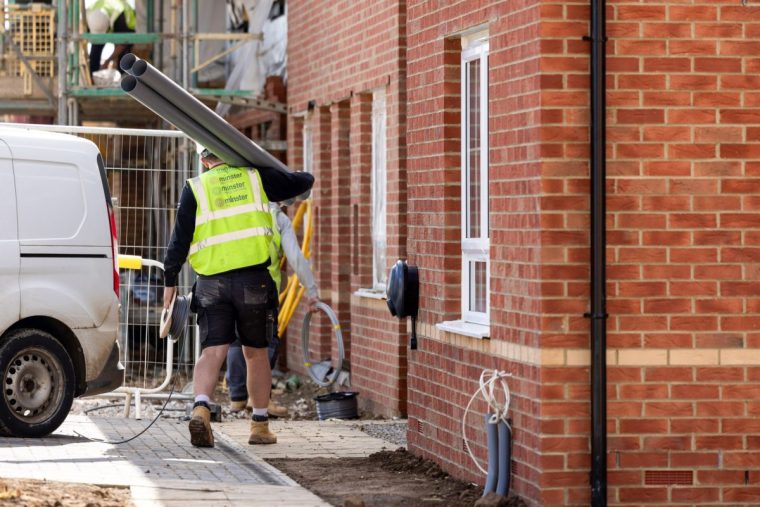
point(278, 186)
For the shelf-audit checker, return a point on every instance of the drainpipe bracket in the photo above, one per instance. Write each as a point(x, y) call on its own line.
point(596, 316)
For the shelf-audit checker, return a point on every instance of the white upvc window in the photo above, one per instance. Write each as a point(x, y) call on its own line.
point(308, 158)
point(379, 190)
point(475, 235)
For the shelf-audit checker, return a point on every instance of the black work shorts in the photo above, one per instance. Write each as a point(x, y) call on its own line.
point(244, 301)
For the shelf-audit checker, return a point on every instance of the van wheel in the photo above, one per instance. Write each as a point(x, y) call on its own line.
point(38, 383)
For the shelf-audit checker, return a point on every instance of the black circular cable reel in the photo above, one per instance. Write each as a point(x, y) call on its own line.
point(403, 295)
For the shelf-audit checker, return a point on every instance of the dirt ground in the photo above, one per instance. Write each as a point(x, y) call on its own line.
point(31, 493)
point(384, 479)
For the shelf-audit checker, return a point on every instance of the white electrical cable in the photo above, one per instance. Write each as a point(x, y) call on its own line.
point(499, 411)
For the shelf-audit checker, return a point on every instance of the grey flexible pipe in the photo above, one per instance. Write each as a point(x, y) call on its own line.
point(198, 111)
point(493, 456)
point(305, 345)
point(165, 109)
point(505, 451)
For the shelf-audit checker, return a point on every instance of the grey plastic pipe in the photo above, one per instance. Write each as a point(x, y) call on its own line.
point(197, 110)
point(168, 111)
point(127, 61)
point(492, 438)
point(338, 338)
point(505, 451)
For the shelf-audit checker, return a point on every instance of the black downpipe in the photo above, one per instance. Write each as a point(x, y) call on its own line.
point(598, 257)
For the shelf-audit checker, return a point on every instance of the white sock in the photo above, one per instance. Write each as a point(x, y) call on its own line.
point(203, 398)
point(260, 412)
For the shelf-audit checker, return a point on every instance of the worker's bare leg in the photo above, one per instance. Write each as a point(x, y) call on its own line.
point(259, 381)
point(205, 376)
point(259, 384)
point(206, 372)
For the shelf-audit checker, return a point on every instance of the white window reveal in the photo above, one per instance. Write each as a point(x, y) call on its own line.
point(308, 157)
point(379, 190)
point(474, 165)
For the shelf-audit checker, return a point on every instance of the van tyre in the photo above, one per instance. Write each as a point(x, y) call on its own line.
point(38, 382)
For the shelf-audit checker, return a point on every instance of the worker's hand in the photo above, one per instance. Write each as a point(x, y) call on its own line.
point(168, 295)
point(313, 304)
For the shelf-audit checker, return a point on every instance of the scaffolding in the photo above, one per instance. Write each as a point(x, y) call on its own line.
point(44, 63)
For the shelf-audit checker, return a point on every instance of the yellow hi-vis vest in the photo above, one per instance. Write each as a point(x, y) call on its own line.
point(233, 226)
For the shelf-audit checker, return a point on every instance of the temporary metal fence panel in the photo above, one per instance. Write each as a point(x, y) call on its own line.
point(146, 171)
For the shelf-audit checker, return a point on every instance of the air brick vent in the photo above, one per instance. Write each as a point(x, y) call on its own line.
point(669, 478)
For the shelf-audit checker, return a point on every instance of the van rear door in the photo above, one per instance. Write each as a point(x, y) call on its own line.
point(9, 250)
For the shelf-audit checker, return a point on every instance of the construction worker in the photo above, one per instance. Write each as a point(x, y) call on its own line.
point(110, 16)
point(226, 231)
point(236, 366)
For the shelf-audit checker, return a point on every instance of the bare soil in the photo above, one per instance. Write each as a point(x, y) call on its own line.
point(33, 493)
point(383, 479)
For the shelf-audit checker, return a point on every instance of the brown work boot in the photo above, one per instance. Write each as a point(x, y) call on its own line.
point(260, 433)
point(200, 427)
point(238, 406)
point(276, 410)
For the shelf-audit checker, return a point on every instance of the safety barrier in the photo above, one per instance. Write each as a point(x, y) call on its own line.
point(148, 360)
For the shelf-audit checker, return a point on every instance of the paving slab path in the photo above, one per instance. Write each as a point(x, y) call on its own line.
point(160, 467)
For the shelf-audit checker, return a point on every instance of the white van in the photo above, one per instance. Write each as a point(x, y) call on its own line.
point(59, 280)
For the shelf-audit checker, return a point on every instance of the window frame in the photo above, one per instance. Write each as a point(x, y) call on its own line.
point(307, 147)
point(474, 249)
point(379, 174)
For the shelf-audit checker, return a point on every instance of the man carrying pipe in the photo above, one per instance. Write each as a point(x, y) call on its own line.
point(226, 232)
point(236, 365)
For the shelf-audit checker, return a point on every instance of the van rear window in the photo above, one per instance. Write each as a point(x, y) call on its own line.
point(104, 180)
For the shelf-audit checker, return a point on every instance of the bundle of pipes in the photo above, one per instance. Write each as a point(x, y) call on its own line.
point(157, 92)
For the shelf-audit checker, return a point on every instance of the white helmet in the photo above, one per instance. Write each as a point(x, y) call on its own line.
point(98, 21)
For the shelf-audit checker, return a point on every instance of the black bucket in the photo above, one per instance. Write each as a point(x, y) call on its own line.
point(337, 406)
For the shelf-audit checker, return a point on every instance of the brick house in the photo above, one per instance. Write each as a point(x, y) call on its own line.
point(493, 207)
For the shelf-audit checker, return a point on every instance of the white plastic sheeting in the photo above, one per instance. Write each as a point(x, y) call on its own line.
point(274, 51)
point(256, 60)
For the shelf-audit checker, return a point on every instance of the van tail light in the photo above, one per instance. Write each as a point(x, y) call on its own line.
point(114, 249)
point(111, 223)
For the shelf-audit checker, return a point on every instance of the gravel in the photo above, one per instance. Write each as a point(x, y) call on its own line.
point(393, 432)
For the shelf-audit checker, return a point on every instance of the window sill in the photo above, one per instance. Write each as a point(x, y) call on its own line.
point(465, 328)
point(370, 293)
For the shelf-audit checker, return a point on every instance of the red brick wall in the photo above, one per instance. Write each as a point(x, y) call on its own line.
point(682, 221)
point(339, 52)
point(684, 298)
point(683, 127)
point(682, 242)
point(443, 373)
